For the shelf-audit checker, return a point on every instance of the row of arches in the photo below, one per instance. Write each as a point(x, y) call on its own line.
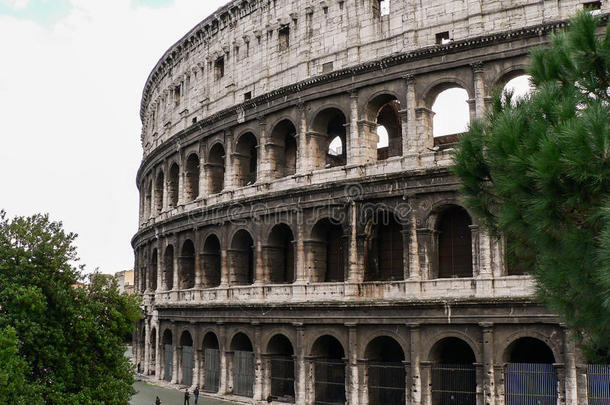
point(326, 252)
point(326, 146)
point(452, 374)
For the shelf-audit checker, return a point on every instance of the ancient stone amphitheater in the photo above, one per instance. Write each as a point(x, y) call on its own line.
point(290, 250)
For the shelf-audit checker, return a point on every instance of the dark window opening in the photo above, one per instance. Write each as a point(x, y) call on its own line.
point(177, 95)
point(283, 151)
point(216, 169)
point(174, 173)
point(592, 5)
point(328, 252)
point(454, 244)
point(284, 37)
point(281, 363)
point(246, 160)
point(168, 268)
point(442, 38)
point(192, 177)
point(280, 255)
point(384, 261)
point(453, 373)
point(242, 259)
point(327, 67)
point(247, 96)
point(187, 266)
point(219, 68)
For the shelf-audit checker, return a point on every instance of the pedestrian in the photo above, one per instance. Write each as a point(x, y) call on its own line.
point(157, 401)
point(196, 393)
point(138, 368)
point(187, 396)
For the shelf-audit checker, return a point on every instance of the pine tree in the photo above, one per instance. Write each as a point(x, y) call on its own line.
point(537, 170)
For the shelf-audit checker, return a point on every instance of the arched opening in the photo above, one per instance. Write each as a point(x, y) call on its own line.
point(283, 151)
point(281, 363)
point(327, 141)
point(211, 363)
point(173, 185)
point(327, 251)
point(329, 371)
point(519, 87)
point(246, 160)
point(383, 247)
point(159, 193)
point(453, 372)
point(168, 268)
point(454, 243)
point(451, 114)
point(187, 360)
point(211, 261)
point(530, 373)
point(142, 279)
point(280, 254)
point(192, 177)
point(187, 265)
point(384, 111)
point(153, 351)
point(243, 365)
point(216, 169)
point(385, 372)
point(148, 200)
point(168, 355)
point(241, 255)
point(154, 262)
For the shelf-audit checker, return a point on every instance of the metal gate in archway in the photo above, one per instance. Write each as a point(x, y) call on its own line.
point(243, 373)
point(211, 370)
point(598, 384)
point(329, 381)
point(169, 363)
point(187, 365)
point(454, 384)
point(386, 383)
point(530, 384)
point(282, 376)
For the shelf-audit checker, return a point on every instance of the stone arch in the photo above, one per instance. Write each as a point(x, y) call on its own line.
point(243, 367)
point(283, 149)
point(366, 338)
point(210, 346)
point(328, 131)
point(168, 268)
point(148, 200)
point(509, 73)
point(211, 261)
point(192, 177)
point(448, 111)
point(280, 364)
point(528, 350)
point(159, 185)
point(554, 345)
point(168, 353)
point(187, 265)
point(280, 254)
point(186, 361)
point(154, 262)
point(329, 365)
point(241, 258)
point(173, 184)
point(246, 159)
point(215, 167)
point(383, 247)
point(328, 252)
point(383, 110)
point(385, 379)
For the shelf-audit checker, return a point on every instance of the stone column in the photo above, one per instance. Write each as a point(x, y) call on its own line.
point(196, 359)
point(181, 176)
point(175, 356)
point(301, 371)
point(410, 140)
point(561, 382)
point(355, 272)
point(176, 264)
point(146, 345)
point(302, 150)
point(258, 365)
point(263, 167)
point(224, 268)
point(224, 372)
point(259, 268)
point(198, 268)
point(414, 375)
point(476, 249)
point(153, 200)
point(488, 363)
point(571, 383)
point(425, 135)
point(165, 201)
point(352, 364)
point(159, 354)
point(425, 248)
point(300, 262)
point(159, 267)
point(478, 72)
point(352, 144)
point(367, 142)
point(203, 183)
point(229, 180)
point(426, 382)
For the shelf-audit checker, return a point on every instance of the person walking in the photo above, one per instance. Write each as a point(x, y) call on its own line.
point(196, 393)
point(187, 397)
point(157, 401)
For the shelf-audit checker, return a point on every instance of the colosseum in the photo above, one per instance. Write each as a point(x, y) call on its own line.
point(301, 239)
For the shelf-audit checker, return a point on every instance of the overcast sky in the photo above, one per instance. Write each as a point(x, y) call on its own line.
point(71, 79)
point(70, 86)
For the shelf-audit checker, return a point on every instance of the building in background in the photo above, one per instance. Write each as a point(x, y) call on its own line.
point(125, 281)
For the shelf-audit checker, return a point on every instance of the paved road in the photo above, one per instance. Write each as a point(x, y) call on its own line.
point(147, 393)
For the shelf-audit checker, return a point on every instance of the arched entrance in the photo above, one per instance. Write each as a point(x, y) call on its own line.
point(329, 371)
point(168, 355)
point(153, 270)
point(386, 377)
point(530, 377)
point(454, 243)
point(211, 261)
point(327, 140)
point(173, 185)
point(283, 150)
point(211, 363)
point(187, 265)
point(168, 268)
point(241, 259)
point(187, 361)
point(243, 365)
point(192, 177)
point(280, 254)
point(384, 247)
point(246, 160)
point(453, 373)
point(327, 252)
point(216, 169)
point(281, 368)
point(153, 351)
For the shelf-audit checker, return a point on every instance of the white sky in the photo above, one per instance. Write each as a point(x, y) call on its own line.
point(70, 86)
point(71, 79)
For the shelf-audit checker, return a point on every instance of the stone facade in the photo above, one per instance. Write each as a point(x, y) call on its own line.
point(274, 266)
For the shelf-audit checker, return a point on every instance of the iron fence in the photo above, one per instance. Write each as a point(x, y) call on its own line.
point(454, 384)
point(530, 384)
point(211, 370)
point(243, 373)
point(598, 384)
point(169, 362)
point(386, 383)
point(187, 365)
point(282, 377)
point(329, 382)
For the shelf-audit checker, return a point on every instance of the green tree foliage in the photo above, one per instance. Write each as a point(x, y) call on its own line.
point(538, 171)
point(63, 337)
